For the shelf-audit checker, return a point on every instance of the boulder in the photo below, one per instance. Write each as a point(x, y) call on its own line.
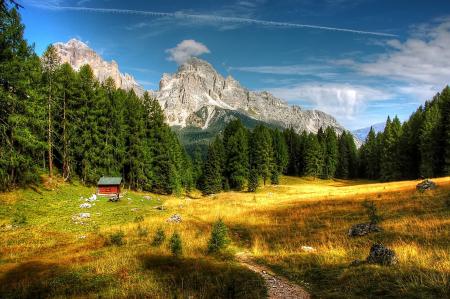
point(362, 229)
point(176, 218)
point(426, 185)
point(379, 254)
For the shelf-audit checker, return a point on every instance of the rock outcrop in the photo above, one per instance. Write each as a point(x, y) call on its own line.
point(197, 93)
point(426, 185)
point(362, 229)
point(77, 54)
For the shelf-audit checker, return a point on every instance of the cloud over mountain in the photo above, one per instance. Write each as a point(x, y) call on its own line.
point(186, 49)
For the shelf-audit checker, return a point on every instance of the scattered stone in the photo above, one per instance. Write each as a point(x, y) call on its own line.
point(379, 254)
point(147, 197)
point(362, 229)
point(426, 185)
point(82, 237)
point(84, 215)
point(135, 209)
point(114, 198)
point(176, 218)
point(308, 248)
point(6, 227)
point(85, 205)
point(161, 208)
point(92, 198)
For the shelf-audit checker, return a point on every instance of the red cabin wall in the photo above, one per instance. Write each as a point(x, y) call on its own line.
point(108, 189)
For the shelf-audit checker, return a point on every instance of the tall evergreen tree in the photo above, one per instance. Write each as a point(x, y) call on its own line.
point(236, 154)
point(313, 156)
point(330, 153)
point(280, 156)
point(261, 152)
point(212, 171)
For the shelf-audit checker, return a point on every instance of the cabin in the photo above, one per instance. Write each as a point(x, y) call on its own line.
point(109, 186)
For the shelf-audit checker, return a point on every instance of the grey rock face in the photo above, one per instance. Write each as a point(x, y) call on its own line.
point(192, 96)
point(77, 54)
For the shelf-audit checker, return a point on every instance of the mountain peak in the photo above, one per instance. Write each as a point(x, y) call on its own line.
point(77, 54)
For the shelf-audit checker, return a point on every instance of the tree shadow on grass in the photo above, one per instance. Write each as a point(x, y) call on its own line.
point(45, 280)
point(204, 278)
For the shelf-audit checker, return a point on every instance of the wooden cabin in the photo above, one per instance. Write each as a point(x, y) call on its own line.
point(109, 186)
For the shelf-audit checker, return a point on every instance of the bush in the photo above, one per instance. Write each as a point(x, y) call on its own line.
point(142, 231)
point(139, 218)
point(371, 211)
point(117, 238)
point(175, 244)
point(219, 237)
point(159, 237)
point(19, 219)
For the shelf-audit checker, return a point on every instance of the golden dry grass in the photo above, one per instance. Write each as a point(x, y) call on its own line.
point(272, 225)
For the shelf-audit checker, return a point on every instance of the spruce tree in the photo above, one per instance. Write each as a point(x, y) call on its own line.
point(261, 152)
point(236, 154)
point(313, 156)
point(280, 156)
point(212, 171)
point(331, 153)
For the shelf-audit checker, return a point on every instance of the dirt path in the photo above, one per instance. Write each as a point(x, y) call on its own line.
point(278, 287)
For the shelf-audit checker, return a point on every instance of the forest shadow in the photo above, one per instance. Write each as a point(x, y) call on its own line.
point(45, 280)
point(204, 278)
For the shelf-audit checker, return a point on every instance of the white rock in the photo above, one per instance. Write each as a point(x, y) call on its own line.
point(308, 248)
point(85, 205)
point(84, 215)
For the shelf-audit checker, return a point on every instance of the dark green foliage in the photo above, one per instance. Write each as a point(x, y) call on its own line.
point(261, 152)
point(280, 156)
point(253, 182)
point(175, 244)
point(213, 169)
point(117, 238)
point(219, 237)
point(313, 156)
point(19, 219)
point(142, 231)
point(159, 237)
point(235, 140)
point(331, 153)
point(371, 211)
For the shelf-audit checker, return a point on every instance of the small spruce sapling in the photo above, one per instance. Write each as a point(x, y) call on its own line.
point(219, 237)
point(159, 237)
point(371, 211)
point(175, 244)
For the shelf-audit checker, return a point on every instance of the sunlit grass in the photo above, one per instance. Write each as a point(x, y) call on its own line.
point(272, 225)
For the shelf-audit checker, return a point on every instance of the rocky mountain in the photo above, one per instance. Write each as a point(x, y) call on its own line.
point(77, 54)
point(196, 94)
point(198, 101)
point(362, 133)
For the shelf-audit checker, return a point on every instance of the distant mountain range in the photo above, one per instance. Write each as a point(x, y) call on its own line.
point(198, 101)
point(362, 133)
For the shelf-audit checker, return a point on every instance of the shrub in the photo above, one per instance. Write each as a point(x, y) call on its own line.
point(142, 231)
point(117, 238)
point(159, 237)
point(139, 218)
point(219, 237)
point(175, 244)
point(19, 219)
point(371, 211)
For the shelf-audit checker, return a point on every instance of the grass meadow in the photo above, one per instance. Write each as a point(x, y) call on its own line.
point(44, 253)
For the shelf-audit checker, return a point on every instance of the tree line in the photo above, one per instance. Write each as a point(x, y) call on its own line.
point(64, 121)
point(242, 159)
point(419, 147)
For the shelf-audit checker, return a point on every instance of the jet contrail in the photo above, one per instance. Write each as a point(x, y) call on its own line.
point(211, 18)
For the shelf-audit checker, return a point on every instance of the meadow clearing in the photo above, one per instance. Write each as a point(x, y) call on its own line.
point(44, 253)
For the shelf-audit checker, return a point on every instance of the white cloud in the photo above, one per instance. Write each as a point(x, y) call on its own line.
point(422, 62)
point(343, 101)
point(185, 50)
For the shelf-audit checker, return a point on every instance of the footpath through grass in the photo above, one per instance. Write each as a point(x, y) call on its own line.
point(47, 254)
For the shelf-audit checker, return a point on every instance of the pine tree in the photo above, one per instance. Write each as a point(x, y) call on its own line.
point(313, 156)
point(331, 153)
point(445, 129)
point(261, 152)
point(212, 171)
point(21, 116)
point(236, 154)
point(50, 64)
point(280, 156)
point(343, 168)
point(428, 140)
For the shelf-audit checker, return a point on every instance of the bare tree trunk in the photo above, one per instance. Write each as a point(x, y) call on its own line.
point(50, 150)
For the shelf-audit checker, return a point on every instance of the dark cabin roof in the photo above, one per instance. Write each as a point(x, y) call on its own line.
point(104, 180)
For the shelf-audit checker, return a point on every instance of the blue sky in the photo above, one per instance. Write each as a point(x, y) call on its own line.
point(358, 60)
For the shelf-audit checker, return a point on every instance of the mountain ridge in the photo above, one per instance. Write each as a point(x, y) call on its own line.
point(197, 96)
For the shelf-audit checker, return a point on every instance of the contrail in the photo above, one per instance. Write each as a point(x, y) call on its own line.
point(211, 18)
